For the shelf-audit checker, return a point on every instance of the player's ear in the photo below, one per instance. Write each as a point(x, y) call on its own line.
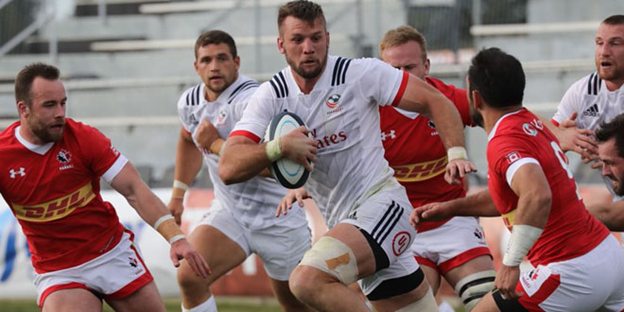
point(477, 100)
point(427, 65)
point(280, 45)
point(237, 62)
point(23, 109)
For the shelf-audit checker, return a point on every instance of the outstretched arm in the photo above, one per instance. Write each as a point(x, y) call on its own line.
point(151, 209)
point(476, 205)
point(422, 98)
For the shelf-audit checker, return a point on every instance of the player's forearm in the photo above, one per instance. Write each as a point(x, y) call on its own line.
point(242, 161)
point(533, 209)
point(609, 213)
point(447, 120)
point(476, 205)
point(188, 161)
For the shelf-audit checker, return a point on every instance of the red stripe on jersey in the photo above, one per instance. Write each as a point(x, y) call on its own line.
point(246, 134)
point(554, 122)
point(51, 289)
point(462, 258)
point(402, 88)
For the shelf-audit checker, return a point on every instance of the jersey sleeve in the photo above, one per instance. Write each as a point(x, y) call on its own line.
point(380, 82)
point(570, 102)
point(100, 155)
point(257, 114)
point(508, 154)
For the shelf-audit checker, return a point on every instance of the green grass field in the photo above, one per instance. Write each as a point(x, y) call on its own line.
point(224, 305)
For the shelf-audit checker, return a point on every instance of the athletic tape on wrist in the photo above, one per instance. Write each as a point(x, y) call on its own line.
point(167, 227)
point(523, 237)
point(273, 150)
point(456, 152)
point(161, 220)
point(176, 238)
point(181, 185)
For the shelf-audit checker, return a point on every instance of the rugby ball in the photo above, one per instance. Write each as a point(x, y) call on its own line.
point(288, 173)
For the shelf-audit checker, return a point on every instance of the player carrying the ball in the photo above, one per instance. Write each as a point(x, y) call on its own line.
point(365, 207)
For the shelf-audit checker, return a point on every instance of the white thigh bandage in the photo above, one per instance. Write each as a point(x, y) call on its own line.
point(333, 257)
point(425, 304)
point(474, 286)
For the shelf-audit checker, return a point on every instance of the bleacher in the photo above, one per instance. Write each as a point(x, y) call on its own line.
point(125, 62)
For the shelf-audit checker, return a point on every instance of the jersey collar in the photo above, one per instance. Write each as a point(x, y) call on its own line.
point(39, 149)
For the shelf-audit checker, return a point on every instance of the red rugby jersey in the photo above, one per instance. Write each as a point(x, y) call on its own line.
point(414, 150)
point(54, 192)
point(519, 138)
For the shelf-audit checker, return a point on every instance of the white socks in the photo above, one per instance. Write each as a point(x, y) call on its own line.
point(208, 306)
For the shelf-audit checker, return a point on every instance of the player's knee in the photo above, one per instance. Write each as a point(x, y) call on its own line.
point(474, 286)
point(188, 280)
point(302, 282)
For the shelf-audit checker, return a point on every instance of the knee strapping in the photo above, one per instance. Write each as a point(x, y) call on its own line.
point(333, 257)
point(424, 304)
point(474, 286)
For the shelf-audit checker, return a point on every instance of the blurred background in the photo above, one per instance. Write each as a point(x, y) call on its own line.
point(126, 62)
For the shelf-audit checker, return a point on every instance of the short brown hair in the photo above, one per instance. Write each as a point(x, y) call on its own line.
point(25, 78)
point(216, 37)
point(614, 20)
point(403, 35)
point(301, 9)
point(613, 129)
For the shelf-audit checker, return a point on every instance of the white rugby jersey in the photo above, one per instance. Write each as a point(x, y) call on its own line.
point(252, 202)
point(595, 104)
point(342, 114)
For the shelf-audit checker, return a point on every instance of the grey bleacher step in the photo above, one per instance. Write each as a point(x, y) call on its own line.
point(113, 7)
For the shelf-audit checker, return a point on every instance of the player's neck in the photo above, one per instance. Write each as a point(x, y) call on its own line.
point(613, 85)
point(211, 96)
point(492, 115)
point(28, 135)
point(306, 85)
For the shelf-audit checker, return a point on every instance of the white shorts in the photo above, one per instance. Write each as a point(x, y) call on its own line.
point(280, 246)
point(452, 244)
point(594, 281)
point(113, 275)
point(385, 217)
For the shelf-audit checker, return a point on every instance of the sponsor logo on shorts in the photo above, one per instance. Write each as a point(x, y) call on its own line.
point(420, 171)
point(401, 242)
point(56, 208)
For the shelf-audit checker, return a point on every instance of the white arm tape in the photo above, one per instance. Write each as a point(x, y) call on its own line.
point(176, 238)
point(273, 150)
point(523, 237)
point(456, 152)
point(180, 185)
point(161, 220)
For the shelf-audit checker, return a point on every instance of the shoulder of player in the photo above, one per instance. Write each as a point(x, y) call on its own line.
point(589, 84)
point(191, 97)
point(242, 90)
